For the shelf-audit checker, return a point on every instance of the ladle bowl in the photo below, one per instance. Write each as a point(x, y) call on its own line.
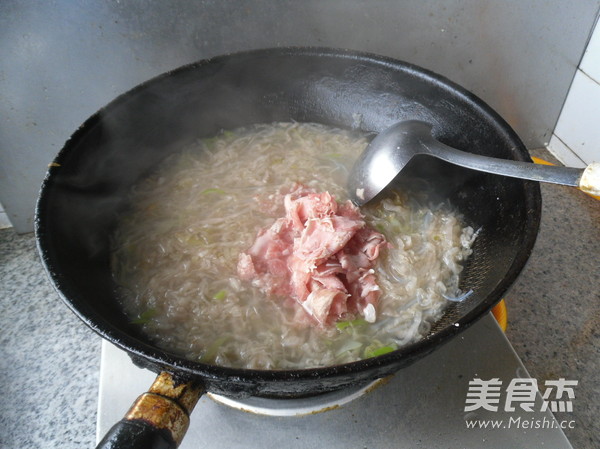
point(389, 153)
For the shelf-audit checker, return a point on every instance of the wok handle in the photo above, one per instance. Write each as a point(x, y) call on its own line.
point(158, 419)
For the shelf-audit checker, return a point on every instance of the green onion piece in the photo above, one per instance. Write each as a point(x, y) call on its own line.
point(380, 228)
point(334, 155)
point(211, 352)
point(212, 191)
point(144, 317)
point(395, 223)
point(193, 240)
point(209, 142)
point(220, 295)
point(374, 352)
point(341, 325)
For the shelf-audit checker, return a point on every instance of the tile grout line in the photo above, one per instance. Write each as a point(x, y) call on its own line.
point(589, 76)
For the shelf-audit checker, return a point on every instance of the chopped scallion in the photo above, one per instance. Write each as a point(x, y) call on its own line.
point(209, 142)
point(144, 317)
point(221, 191)
point(220, 295)
point(211, 352)
point(374, 352)
point(341, 325)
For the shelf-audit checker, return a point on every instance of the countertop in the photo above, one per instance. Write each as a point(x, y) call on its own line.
point(50, 361)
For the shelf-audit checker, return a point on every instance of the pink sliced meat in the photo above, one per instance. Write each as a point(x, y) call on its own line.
point(321, 238)
point(309, 207)
point(320, 253)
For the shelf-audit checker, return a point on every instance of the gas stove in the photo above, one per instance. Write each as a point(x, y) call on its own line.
point(420, 406)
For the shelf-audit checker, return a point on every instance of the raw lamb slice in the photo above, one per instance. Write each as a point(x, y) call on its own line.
point(320, 253)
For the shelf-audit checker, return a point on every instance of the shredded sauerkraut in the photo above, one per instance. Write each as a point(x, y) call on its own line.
point(176, 250)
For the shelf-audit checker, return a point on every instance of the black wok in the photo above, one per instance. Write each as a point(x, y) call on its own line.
point(86, 185)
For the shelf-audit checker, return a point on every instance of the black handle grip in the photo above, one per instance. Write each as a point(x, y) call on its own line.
point(136, 435)
point(158, 419)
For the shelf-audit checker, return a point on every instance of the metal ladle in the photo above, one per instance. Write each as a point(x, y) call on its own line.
point(388, 154)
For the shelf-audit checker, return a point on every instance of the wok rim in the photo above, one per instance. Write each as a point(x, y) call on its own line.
point(398, 358)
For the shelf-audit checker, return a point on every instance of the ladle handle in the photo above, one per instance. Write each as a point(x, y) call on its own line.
point(587, 179)
point(158, 419)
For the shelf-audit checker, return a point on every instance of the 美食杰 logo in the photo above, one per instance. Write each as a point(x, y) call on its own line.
point(519, 394)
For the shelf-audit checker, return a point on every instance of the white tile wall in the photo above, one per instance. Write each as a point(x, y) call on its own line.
point(576, 138)
point(4, 221)
point(590, 64)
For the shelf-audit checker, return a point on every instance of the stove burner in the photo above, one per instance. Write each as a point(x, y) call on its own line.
point(300, 406)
